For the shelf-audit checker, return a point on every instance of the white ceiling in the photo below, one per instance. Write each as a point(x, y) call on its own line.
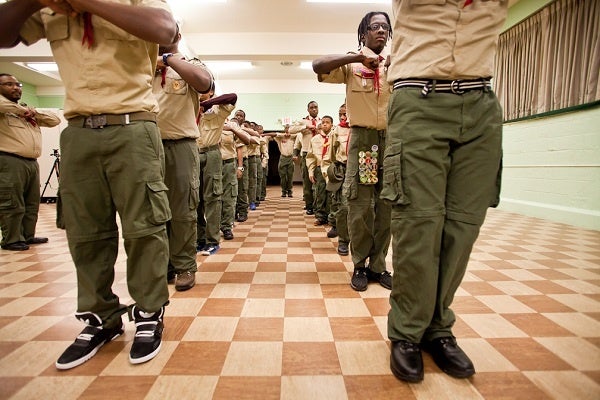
point(265, 32)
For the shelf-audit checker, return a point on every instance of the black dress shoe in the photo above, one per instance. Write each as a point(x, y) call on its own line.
point(449, 357)
point(406, 361)
point(37, 240)
point(310, 211)
point(16, 246)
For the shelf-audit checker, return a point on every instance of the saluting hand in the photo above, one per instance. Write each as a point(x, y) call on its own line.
point(371, 62)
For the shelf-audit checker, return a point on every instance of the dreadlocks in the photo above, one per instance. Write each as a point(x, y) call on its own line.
point(363, 27)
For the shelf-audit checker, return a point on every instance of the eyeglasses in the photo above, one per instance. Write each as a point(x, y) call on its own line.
point(11, 84)
point(376, 26)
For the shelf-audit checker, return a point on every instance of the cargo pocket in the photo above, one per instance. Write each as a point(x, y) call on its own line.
point(7, 198)
point(393, 190)
point(159, 203)
point(217, 184)
point(350, 188)
point(194, 194)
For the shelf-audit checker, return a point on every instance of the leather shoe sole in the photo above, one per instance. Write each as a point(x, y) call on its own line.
point(449, 357)
point(406, 361)
point(16, 246)
point(37, 240)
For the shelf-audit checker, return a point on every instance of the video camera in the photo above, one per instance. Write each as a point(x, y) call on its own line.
point(55, 153)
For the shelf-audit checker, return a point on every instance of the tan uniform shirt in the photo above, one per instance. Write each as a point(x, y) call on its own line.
point(178, 104)
point(285, 143)
point(254, 149)
point(336, 151)
point(227, 145)
point(367, 91)
point(315, 152)
point(264, 151)
point(19, 136)
point(462, 47)
point(95, 83)
point(301, 126)
point(211, 124)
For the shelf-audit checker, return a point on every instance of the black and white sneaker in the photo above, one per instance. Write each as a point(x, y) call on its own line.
point(359, 281)
point(89, 341)
point(148, 334)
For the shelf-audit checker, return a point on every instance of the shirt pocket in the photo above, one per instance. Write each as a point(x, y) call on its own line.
point(55, 25)
point(363, 79)
point(15, 122)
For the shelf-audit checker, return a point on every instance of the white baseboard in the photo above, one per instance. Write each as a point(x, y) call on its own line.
point(589, 219)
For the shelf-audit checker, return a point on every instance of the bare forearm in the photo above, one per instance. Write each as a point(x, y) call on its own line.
point(326, 64)
point(228, 98)
point(12, 17)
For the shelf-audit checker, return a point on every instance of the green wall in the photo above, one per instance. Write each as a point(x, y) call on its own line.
point(268, 109)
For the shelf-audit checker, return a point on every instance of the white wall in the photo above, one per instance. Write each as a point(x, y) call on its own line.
point(552, 168)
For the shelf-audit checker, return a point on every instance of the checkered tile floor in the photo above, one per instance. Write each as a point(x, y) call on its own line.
point(273, 317)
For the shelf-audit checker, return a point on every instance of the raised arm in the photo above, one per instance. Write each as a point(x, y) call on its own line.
point(228, 98)
point(147, 23)
point(326, 64)
point(12, 17)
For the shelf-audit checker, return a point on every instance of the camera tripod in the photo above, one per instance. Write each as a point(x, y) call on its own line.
point(55, 169)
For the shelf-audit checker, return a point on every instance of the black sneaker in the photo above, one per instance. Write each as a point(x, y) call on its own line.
point(383, 278)
point(148, 334)
point(343, 249)
point(359, 281)
point(227, 234)
point(89, 341)
point(332, 233)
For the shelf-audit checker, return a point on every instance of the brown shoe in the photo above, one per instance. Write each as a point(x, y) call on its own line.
point(185, 281)
point(320, 222)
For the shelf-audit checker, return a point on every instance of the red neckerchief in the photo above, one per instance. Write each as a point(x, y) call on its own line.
point(376, 81)
point(344, 124)
point(88, 30)
point(325, 145)
point(467, 2)
point(163, 76)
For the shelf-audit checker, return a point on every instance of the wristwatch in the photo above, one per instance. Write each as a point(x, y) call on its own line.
point(165, 56)
point(241, 169)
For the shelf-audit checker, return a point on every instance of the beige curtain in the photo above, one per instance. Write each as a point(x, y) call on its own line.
point(551, 60)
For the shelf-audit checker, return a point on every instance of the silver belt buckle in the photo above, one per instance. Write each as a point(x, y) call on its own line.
point(455, 87)
point(95, 121)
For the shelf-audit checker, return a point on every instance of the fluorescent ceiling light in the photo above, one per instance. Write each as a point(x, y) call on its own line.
point(351, 1)
point(43, 66)
point(221, 66)
point(306, 65)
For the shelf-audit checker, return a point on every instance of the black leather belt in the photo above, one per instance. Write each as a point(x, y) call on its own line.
point(4, 153)
point(102, 120)
point(229, 161)
point(185, 139)
point(457, 86)
point(249, 157)
point(203, 150)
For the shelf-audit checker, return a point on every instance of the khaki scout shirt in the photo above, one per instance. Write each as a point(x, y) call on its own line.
point(114, 76)
point(227, 145)
point(211, 124)
point(254, 149)
point(367, 91)
point(285, 142)
point(444, 39)
point(315, 152)
point(178, 104)
point(264, 151)
point(336, 151)
point(19, 136)
point(301, 126)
